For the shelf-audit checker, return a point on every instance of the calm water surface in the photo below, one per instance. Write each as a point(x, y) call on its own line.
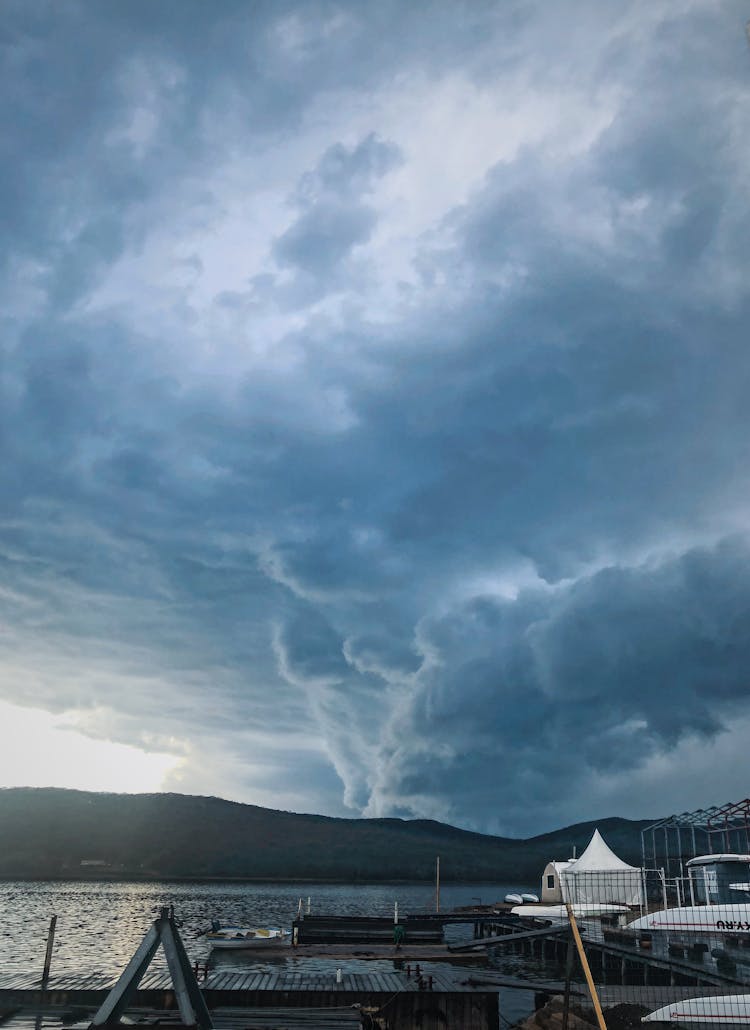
point(99, 925)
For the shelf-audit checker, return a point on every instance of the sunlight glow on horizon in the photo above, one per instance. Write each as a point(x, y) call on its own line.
point(41, 751)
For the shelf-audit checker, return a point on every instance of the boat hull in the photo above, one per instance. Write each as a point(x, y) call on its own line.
point(242, 938)
point(724, 1010)
point(560, 913)
point(697, 919)
point(250, 944)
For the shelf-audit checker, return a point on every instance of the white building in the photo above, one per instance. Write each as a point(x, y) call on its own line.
point(552, 883)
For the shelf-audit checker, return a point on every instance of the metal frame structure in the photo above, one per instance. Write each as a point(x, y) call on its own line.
point(706, 831)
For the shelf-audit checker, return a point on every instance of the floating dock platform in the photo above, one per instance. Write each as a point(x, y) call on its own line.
point(402, 1002)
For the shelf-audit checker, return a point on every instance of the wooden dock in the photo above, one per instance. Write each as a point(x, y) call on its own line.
point(366, 930)
point(420, 938)
point(431, 1001)
point(292, 996)
point(68, 988)
point(347, 1018)
point(407, 953)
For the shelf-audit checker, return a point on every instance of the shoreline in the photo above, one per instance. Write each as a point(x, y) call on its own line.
point(332, 881)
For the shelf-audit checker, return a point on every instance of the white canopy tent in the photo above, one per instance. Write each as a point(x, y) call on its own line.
point(600, 877)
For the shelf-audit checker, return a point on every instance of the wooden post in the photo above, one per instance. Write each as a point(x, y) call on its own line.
point(48, 953)
point(586, 970)
point(568, 975)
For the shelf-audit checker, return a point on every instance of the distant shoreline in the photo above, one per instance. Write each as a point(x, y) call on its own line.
point(334, 881)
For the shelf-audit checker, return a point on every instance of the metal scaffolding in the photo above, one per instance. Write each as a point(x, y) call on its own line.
point(669, 843)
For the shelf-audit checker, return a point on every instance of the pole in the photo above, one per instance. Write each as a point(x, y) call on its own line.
point(437, 884)
point(48, 953)
point(586, 970)
point(568, 975)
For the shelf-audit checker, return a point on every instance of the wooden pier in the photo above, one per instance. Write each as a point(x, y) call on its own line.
point(622, 959)
point(230, 1019)
point(396, 1000)
point(413, 939)
point(366, 930)
point(293, 996)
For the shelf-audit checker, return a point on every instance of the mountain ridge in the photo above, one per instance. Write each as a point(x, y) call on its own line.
point(54, 832)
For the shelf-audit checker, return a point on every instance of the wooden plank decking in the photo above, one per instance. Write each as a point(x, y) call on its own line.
point(451, 1000)
point(322, 1018)
point(243, 982)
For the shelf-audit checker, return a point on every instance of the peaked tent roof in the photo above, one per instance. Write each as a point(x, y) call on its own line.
point(598, 856)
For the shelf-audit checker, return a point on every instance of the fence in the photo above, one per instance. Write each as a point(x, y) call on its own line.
point(665, 950)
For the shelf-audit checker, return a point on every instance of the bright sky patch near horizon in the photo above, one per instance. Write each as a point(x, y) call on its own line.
point(40, 750)
point(374, 404)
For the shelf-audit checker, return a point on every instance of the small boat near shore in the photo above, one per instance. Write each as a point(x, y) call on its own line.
point(243, 937)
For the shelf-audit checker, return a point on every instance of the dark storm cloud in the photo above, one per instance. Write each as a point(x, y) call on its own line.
point(423, 458)
point(626, 663)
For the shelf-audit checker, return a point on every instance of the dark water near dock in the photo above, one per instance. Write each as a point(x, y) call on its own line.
point(100, 924)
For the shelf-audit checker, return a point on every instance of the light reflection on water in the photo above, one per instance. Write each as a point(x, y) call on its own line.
point(99, 925)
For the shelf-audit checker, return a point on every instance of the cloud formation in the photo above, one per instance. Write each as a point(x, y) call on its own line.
point(373, 399)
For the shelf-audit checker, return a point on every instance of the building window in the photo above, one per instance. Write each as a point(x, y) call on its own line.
point(550, 883)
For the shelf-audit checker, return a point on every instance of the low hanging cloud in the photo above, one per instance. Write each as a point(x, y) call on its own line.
point(377, 395)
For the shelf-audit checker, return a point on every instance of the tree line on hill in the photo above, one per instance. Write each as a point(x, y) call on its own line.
point(55, 833)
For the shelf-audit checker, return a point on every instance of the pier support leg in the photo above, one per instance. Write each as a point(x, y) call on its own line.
point(568, 974)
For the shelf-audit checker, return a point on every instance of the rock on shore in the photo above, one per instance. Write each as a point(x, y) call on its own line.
point(550, 1017)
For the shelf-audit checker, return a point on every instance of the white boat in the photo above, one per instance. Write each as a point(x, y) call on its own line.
point(707, 918)
point(723, 1010)
point(532, 899)
point(514, 899)
point(559, 913)
point(243, 937)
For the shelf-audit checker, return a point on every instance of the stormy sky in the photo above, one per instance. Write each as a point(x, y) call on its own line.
point(375, 402)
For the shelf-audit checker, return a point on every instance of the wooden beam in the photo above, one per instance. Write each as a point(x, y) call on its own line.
point(115, 1002)
point(190, 1001)
point(509, 938)
point(586, 970)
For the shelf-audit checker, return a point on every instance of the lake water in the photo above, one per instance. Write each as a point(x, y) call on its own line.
point(99, 925)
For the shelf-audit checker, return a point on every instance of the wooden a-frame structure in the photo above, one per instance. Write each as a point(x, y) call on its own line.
point(190, 1000)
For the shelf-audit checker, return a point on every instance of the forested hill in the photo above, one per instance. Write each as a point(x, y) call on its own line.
point(76, 834)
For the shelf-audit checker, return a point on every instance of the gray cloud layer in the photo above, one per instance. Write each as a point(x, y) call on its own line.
point(374, 398)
